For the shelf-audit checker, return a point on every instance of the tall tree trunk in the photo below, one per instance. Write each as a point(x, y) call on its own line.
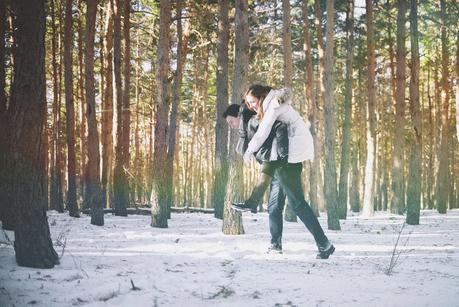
point(94, 192)
point(345, 149)
point(221, 128)
point(107, 106)
point(182, 48)
point(159, 201)
point(70, 111)
point(82, 113)
point(287, 44)
point(316, 126)
point(330, 167)
point(232, 220)
point(398, 183)
point(33, 245)
point(415, 166)
point(368, 205)
point(289, 214)
point(311, 106)
point(56, 189)
point(443, 168)
point(4, 139)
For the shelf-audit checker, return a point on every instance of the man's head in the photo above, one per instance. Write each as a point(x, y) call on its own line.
point(231, 115)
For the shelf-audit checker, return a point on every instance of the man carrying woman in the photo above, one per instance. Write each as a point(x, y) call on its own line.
point(276, 106)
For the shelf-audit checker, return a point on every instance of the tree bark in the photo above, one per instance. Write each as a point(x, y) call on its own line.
point(398, 183)
point(232, 220)
point(120, 183)
point(443, 168)
point(317, 130)
point(70, 111)
point(345, 148)
point(182, 49)
point(221, 128)
point(330, 167)
point(94, 190)
point(415, 166)
point(107, 106)
point(33, 245)
point(368, 205)
point(311, 104)
point(159, 201)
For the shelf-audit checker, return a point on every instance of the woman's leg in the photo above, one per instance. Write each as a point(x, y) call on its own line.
point(289, 176)
point(275, 208)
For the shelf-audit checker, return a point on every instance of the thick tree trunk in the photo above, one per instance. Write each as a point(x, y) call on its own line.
point(345, 148)
point(4, 139)
point(33, 245)
point(159, 201)
point(221, 128)
point(94, 193)
point(398, 165)
point(120, 183)
point(330, 167)
point(368, 205)
point(70, 111)
point(107, 106)
point(232, 220)
point(443, 168)
point(415, 166)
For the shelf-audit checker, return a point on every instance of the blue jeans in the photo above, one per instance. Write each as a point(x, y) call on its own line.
point(287, 182)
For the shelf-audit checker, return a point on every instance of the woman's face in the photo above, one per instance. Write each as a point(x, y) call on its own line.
point(253, 102)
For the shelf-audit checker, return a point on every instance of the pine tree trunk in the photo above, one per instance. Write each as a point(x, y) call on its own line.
point(232, 220)
point(415, 166)
point(107, 105)
point(159, 203)
point(182, 48)
point(330, 167)
point(82, 110)
point(317, 134)
point(120, 182)
point(70, 111)
point(289, 214)
point(4, 139)
point(443, 168)
point(221, 128)
point(33, 245)
point(94, 194)
point(345, 149)
point(56, 189)
point(311, 106)
point(368, 205)
point(398, 183)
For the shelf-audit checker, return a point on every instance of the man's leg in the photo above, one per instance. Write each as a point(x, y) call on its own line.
point(275, 208)
point(290, 179)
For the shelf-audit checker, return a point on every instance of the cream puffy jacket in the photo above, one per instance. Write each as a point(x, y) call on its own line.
point(278, 106)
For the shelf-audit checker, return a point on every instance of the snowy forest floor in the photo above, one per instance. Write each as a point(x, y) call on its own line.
point(192, 263)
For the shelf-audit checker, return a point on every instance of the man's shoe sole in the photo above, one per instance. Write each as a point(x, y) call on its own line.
point(237, 208)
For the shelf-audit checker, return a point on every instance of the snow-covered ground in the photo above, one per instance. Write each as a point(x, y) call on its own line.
point(193, 264)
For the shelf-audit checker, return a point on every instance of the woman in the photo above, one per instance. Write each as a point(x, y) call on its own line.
point(271, 105)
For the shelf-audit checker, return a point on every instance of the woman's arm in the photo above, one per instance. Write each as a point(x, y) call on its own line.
point(262, 133)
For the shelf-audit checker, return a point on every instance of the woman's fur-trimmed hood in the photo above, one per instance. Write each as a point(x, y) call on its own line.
point(278, 97)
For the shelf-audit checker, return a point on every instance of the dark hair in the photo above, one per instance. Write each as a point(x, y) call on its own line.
point(231, 110)
point(258, 91)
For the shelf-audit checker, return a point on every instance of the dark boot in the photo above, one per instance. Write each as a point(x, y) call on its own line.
point(325, 250)
point(275, 249)
point(247, 206)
